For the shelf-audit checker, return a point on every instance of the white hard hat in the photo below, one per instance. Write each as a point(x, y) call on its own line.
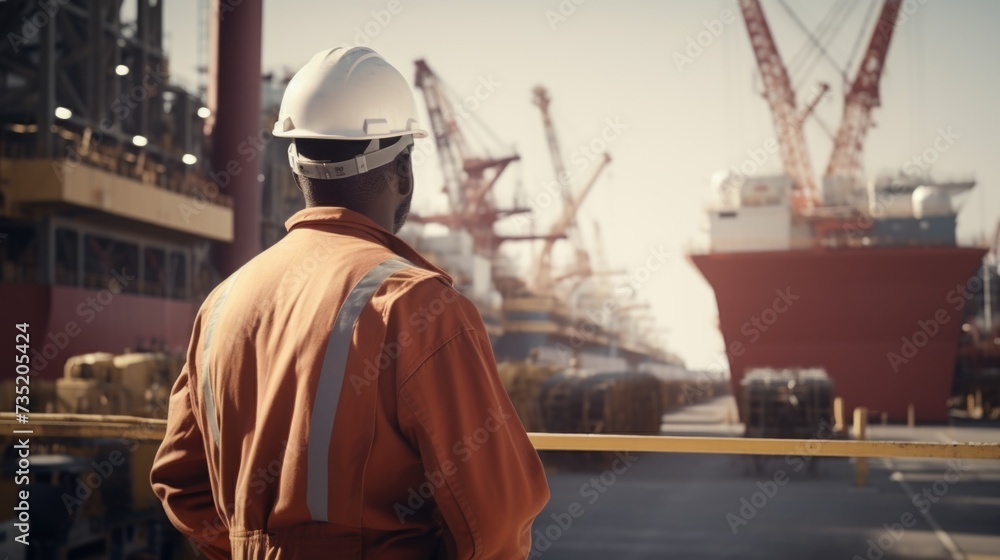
point(347, 94)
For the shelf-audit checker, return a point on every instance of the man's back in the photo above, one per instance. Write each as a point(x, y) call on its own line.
point(342, 398)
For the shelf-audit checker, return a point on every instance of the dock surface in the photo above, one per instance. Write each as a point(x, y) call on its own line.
point(714, 506)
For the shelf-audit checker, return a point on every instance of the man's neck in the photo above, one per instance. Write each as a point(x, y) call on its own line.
point(380, 218)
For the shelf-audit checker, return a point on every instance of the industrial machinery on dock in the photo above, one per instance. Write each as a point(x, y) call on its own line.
point(91, 496)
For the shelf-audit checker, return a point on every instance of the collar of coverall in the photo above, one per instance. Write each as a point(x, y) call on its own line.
point(359, 225)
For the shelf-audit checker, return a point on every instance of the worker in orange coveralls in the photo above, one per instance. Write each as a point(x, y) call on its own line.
point(340, 398)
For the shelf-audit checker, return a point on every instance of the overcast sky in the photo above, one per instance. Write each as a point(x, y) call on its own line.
point(682, 114)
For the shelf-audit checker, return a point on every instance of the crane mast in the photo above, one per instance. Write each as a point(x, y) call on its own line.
point(447, 136)
point(566, 226)
point(845, 160)
point(468, 178)
point(542, 100)
point(781, 99)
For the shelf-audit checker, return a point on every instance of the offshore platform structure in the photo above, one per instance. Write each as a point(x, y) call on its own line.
point(124, 198)
point(96, 143)
point(111, 178)
point(109, 167)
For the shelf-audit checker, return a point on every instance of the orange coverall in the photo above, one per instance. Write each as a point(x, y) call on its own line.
point(340, 399)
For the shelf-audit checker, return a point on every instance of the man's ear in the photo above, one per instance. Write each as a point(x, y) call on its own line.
point(403, 168)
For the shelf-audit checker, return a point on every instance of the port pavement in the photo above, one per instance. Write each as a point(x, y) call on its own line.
point(676, 505)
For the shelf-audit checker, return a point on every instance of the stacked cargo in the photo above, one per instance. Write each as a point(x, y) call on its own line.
point(787, 403)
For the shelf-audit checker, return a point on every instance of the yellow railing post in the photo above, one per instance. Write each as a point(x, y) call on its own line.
point(838, 414)
point(860, 434)
point(911, 416)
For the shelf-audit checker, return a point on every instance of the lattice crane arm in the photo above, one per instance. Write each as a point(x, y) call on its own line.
point(451, 144)
point(543, 266)
point(469, 172)
point(780, 97)
point(542, 100)
point(848, 145)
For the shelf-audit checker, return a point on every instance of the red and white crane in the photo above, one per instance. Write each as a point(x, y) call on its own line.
point(781, 98)
point(565, 226)
point(544, 281)
point(845, 160)
point(469, 176)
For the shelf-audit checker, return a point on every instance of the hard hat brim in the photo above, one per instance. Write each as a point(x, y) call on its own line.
point(315, 135)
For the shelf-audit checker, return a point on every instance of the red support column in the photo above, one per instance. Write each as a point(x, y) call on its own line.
point(234, 98)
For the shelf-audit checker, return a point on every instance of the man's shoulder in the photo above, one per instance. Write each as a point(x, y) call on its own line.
point(415, 285)
point(415, 280)
point(219, 291)
point(426, 301)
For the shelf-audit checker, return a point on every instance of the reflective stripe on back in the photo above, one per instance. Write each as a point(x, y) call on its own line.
point(331, 379)
point(206, 378)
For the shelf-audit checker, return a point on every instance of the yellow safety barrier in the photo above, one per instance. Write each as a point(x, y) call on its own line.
point(860, 434)
point(132, 428)
point(764, 446)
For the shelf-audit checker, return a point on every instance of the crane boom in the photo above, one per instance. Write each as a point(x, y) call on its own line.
point(447, 136)
point(468, 178)
point(543, 267)
point(781, 99)
point(845, 160)
point(570, 230)
point(542, 100)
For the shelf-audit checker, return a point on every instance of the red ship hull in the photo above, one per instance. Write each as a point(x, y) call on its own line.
point(65, 321)
point(883, 322)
